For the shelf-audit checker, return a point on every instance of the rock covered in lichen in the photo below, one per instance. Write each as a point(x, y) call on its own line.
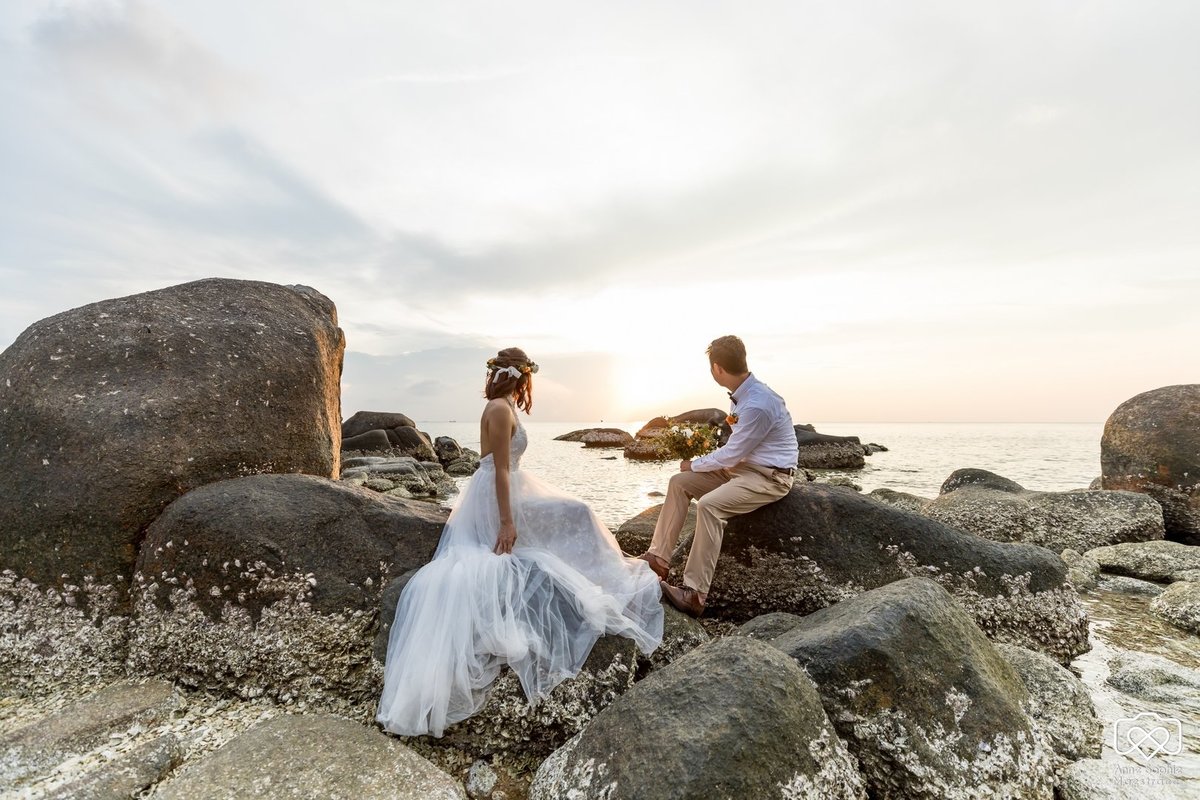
point(819, 545)
point(115, 409)
point(1164, 562)
point(1000, 509)
point(1179, 604)
point(1059, 703)
point(271, 584)
point(733, 718)
point(921, 697)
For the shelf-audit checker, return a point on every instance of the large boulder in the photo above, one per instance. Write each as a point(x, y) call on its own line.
point(921, 696)
point(597, 437)
point(1003, 510)
point(1165, 562)
point(824, 451)
point(271, 584)
point(821, 544)
point(113, 410)
point(1151, 444)
point(733, 718)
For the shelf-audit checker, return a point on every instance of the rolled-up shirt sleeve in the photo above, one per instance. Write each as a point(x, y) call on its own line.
point(752, 427)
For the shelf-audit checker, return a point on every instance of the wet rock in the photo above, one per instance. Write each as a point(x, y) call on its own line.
point(1093, 779)
point(921, 697)
point(1060, 704)
point(508, 727)
point(819, 545)
point(768, 626)
point(1082, 571)
point(823, 451)
point(1125, 585)
point(363, 421)
point(1151, 444)
point(988, 505)
point(466, 464)
point(127, 775)
point(733, 718)
point(1154, 678)
point(1151, 561)
point(447, 449)
point(271, 583)
point(844, 482)
point(37, 748)
point(412, 442)
point(115, 409)
point(901, 500)
point(312, 756)
point(1179, 604)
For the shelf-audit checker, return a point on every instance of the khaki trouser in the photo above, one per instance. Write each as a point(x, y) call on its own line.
point(721, 494)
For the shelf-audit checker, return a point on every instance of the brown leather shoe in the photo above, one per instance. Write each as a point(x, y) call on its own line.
point(657, 565)
point(685, 598)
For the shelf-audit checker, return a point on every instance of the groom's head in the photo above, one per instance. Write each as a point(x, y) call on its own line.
point(727, 359)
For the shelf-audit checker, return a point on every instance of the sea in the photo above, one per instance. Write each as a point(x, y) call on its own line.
point(919, 458)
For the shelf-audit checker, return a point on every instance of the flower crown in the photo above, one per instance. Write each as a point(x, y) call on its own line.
point(516, 372)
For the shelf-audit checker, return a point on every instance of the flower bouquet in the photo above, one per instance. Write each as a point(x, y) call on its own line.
point(686, 442)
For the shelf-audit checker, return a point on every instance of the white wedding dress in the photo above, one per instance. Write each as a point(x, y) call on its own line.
point(539, 610)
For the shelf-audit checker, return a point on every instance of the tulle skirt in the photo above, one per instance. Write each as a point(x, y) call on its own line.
point(540, 609)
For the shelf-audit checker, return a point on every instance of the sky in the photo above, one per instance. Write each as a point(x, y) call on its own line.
point(909, 211)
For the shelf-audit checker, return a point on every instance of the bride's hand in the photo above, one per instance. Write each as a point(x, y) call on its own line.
point(505, 539)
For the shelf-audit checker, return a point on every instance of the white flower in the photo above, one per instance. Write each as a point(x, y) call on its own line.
point(687, 431)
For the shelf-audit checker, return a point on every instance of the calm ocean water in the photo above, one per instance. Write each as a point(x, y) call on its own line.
point(1041, 456)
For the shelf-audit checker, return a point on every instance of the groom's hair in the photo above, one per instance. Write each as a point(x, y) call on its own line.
point(729, 354)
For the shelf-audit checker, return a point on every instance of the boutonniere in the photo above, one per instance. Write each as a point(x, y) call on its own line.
point(731, 419)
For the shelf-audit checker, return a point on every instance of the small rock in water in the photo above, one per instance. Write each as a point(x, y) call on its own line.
point(1124, 585)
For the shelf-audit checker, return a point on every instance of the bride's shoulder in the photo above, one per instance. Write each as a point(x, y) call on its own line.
point(497, 408)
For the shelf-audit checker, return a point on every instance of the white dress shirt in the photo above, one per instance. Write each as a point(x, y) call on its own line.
point(763, 435)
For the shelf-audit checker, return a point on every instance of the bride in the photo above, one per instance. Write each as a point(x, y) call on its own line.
point(524, 575)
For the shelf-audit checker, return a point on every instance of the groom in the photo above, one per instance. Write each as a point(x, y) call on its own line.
point(755, 467)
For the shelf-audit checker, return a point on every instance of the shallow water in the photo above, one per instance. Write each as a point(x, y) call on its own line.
point(1120, 623)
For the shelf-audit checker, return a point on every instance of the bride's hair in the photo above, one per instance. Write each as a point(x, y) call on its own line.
point(501, 383)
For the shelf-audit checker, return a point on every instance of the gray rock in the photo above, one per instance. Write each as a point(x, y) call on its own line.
point(902, 500)
point(1082, 571)
point(388, 601)
point(1060, 704)
point(1151, 561)
point(1151, 444)
point(1179, 604)
point(768, 626)
point(115, 409)
point(820, 544)
point(412, 442)
point(844, 482)
point(379, 484)
point(312, 756)
point(733, 718)
point(1188, 575)
point(1093, 779)
point(38, 747)
point(606, 438)
point(994, 507)
point(921, 696)
point(127, 775)
point(363, 421)
point(235, 575)
point(361, 461)
point(1154, 678)
point(1124, 585)
point(824, 451)
point(376, 441)
point(466, 465)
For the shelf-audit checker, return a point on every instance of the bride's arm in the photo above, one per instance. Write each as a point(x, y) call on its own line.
point(498, 424)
